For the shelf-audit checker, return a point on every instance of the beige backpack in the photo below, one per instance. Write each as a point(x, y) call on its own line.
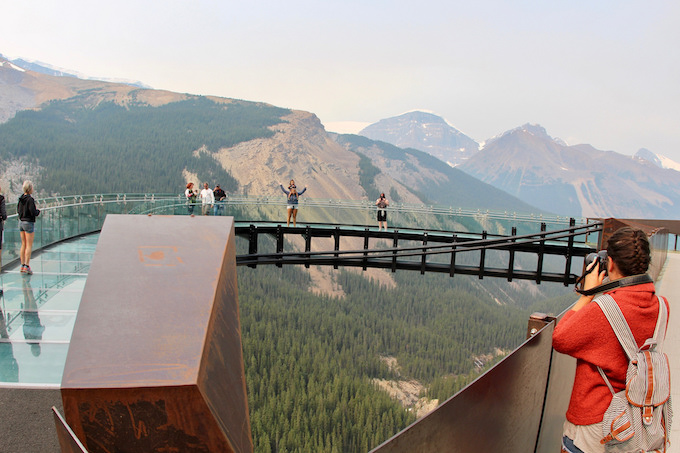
point(639, 417)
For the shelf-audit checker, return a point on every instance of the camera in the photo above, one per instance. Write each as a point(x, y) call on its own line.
point(600, 257)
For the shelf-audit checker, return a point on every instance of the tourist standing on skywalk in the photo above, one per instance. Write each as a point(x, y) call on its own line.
point(292, 204)
point(382, 203)
point(3, 217)
point(207, 199)
point(190, 195)
point(220, 196)
point(585, 333)
point(27, 214)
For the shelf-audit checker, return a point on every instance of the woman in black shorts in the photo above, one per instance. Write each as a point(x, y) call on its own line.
point(382, 203)
point(27, 214)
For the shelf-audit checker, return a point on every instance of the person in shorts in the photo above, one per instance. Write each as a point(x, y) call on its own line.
point(292, 204)
point(27, 214)
point(382, 203)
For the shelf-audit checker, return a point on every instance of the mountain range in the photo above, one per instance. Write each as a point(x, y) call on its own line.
point(416, 157)
point(544, 171)
point(57, 129)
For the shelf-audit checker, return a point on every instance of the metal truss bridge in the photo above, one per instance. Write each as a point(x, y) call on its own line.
point(425, 251)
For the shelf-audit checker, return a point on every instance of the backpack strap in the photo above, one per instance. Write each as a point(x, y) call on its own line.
point(618, 322)
point(622, 330)
point(661, 324)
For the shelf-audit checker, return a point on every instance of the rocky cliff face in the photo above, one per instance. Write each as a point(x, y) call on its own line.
point(300, 150)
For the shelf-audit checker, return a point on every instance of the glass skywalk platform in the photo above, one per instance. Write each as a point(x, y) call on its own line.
point(38, 312)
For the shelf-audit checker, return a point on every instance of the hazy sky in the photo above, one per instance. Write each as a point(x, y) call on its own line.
point(602, 72)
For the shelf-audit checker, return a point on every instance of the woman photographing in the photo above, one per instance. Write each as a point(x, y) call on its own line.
point(585, 333)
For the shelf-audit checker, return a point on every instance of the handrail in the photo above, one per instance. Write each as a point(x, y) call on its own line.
point(63, 217)
point(278, 200)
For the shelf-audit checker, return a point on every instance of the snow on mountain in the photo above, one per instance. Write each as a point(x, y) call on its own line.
point(425, 132)
point(668, 163)
point(10, 65)
point(46, 68)
point(657, 159)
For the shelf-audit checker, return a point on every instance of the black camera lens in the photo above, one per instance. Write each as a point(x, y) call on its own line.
point(590, 258)
point(601, 256)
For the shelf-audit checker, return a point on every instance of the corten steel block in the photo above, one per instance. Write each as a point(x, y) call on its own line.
point(155, 361)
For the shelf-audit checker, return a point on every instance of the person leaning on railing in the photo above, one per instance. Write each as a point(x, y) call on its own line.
point(585, 333)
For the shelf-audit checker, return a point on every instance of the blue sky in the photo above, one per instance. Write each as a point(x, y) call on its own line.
point(600, 72)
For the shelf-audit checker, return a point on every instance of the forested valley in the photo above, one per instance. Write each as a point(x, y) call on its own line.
point(134, 148)
point(310, 360)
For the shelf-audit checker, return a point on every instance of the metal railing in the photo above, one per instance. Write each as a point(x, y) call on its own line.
point(65, 217)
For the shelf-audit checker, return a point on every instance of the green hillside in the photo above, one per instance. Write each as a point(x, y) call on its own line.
point(136, 148)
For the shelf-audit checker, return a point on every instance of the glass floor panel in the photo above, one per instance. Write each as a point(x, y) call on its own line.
point(38, 312)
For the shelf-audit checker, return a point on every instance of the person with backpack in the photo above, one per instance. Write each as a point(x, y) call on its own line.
point(586, 333)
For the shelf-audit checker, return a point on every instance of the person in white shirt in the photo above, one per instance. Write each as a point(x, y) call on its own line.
point(207, 199)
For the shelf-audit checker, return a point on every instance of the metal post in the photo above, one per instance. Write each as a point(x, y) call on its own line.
point(482, 256)
point(541, 247)
point(537, 321)
point(511, 260)
point(423, 258)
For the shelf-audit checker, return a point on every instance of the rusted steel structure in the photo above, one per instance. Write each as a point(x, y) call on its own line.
point(155, 362)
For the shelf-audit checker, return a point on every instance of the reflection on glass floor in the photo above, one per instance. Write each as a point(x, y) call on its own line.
point(37, 313)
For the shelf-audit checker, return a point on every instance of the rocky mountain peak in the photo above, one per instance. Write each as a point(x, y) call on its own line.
point(425, 132)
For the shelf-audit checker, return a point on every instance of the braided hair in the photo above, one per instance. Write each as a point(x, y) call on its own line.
point(629, 248)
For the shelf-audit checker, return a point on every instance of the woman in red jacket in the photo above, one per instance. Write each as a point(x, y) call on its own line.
point(584, 333)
